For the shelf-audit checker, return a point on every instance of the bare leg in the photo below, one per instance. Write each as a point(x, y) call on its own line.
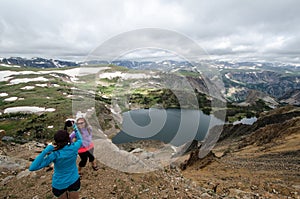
point(63, 196)
point(94, 165)
point(74, 195)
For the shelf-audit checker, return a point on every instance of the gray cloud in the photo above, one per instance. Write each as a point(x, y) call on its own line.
point(231, 28)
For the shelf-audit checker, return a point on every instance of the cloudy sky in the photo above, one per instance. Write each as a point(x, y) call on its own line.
point(231, 29)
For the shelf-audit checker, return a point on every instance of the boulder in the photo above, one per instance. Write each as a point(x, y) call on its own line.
point(2, 133)
point(11, 163)
point(7, 138)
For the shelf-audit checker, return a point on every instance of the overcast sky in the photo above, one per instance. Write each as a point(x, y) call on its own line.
point(232, 29)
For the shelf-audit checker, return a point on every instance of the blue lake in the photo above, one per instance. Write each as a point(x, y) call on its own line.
point(173, 126)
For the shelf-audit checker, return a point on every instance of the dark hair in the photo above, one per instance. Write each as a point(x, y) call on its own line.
point(68, 123)
point(61, 139)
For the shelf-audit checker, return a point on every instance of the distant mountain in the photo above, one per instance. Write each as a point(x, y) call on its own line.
point(144, 65)
point(221, 65)
point(166, 65)
point(278, 81)
point(292, 97)
point(245, 82)
point(37, 62)
point(275, 84)
point(93, 62)
point(253, 97)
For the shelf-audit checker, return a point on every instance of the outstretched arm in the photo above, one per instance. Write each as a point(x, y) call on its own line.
point(78, 142)
point(42, 160)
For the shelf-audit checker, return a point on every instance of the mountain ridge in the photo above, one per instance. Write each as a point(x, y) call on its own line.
point(278, 81)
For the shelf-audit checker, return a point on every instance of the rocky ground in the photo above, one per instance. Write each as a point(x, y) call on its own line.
point(249, 174)
point(244, 173)
point(262, 163)
point(17, 182)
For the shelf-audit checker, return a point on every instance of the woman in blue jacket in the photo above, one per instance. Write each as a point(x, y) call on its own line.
point(65, 179)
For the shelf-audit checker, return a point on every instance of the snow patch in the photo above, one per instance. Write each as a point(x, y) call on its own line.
point(50, 109)
point(41, 85)
point(123, 75)
point(13, 66)
point(247, 121)
point(3, 94)
point(28, 88)
point(55, 75)
point(26, 80)
point(73, 73)
point(10, 99)
point(28, 109)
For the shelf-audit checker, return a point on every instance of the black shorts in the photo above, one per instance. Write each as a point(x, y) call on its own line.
point(73, 187)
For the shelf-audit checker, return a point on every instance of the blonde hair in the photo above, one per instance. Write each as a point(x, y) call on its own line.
point(87, 126)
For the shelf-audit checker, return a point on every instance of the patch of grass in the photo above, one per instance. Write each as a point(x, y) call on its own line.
point(114, 68)
point(19, 124)
point(107, 90)
point(4, 68)
point(9, 125)
point(189, 73)
point(111, 81)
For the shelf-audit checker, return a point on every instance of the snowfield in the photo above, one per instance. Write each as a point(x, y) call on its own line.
point(28, 109)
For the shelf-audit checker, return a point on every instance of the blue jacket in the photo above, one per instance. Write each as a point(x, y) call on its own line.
point(65, 168)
